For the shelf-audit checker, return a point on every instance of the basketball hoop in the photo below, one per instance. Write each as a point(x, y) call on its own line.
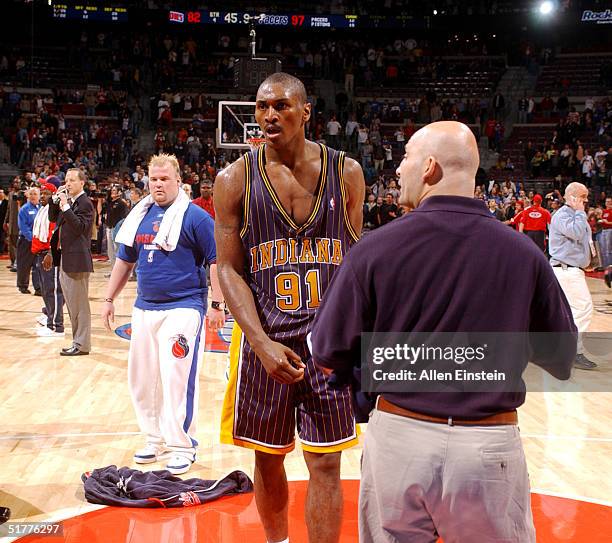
point(255, 143)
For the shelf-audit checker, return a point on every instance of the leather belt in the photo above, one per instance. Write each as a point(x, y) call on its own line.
point(506, 418)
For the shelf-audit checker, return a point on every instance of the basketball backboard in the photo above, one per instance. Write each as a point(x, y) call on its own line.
point(236, 124)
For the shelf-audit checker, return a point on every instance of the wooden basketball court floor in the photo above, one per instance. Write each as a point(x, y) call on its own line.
point(62, 416)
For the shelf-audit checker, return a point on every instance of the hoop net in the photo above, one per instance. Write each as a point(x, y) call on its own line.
point(255, 143)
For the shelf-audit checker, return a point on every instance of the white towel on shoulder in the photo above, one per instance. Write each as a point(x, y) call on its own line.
point(40, 229)
point(169, 230)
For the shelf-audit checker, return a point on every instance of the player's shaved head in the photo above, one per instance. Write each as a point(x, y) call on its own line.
point(441, 159)
point(289, 82)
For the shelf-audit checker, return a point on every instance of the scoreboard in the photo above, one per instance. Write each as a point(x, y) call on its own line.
point(295, 20)
point(84, 12)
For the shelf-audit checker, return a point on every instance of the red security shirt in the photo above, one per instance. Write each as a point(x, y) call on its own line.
point(535, 218)
point(206, 204)
point(607, 216)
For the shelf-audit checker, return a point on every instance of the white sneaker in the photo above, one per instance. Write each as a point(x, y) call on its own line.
point(149, 453)
point(42, 320)
point(47, 332)
point(179, 464)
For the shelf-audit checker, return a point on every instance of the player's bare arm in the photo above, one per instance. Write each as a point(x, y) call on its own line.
point(355, 189)
point(216, 317)
point(281, 363)
point(118, 279)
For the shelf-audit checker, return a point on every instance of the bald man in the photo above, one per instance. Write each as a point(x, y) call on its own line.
point(570, 251)
point(448, 464)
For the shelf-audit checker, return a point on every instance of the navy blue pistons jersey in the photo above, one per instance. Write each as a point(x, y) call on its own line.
point(289, 266)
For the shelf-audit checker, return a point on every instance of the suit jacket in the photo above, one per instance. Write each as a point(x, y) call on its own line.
point(73, 232)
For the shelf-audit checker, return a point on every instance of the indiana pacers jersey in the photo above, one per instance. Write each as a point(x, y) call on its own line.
point(289, 266)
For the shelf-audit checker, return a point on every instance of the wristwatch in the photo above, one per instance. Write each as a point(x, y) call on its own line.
point(216, 305)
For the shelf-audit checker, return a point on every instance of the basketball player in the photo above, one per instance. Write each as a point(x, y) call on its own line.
point(168, 314)
point(286, 214)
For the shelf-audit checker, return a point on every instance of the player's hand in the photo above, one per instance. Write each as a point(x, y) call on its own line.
point(281, 363)
point(108, 315)
point(47, 262)
point(216, 318)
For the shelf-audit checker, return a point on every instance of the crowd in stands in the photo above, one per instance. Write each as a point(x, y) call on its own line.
point(131, 81)
point(565, 153)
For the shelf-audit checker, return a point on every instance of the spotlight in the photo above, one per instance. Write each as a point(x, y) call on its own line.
point(546, 7)
point(435, 11)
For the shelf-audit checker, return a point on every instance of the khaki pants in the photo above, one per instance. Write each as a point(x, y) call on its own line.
point(421, 480)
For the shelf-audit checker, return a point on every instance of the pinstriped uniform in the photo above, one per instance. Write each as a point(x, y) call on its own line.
point(288, 268)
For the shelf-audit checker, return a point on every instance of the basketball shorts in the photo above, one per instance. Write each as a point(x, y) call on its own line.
point(261, 414)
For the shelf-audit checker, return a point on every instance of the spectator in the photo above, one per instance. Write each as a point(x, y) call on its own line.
point(523, 105)
point(205, 201)
point(379, 157)
point(25, 257)
point(3, 212)
point(495, 211)
point(49, 274)
point(135, 196)
point(388, 210)
point(499, 103)
point(116, 210)
point(351, 132)
point(588, 167)
point(332, 132)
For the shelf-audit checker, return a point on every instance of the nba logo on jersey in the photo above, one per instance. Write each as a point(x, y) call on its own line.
point(180, 347)
point(332, 204)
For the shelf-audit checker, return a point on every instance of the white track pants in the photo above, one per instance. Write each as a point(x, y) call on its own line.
point(165, 351)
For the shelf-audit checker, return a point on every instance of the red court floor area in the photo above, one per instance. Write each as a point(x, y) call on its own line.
point(234, 520)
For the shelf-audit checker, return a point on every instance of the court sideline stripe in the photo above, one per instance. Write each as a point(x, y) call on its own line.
point(48, 436)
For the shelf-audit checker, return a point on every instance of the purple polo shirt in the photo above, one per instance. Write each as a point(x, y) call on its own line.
point(448, 266)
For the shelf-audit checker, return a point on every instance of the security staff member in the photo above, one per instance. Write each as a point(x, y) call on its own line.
point(534, 221)
point(426, 471)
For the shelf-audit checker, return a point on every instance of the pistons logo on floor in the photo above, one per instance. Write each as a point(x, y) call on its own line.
point(180, 347)
point(124, 331)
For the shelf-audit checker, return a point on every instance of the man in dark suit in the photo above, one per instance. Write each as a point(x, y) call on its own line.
point(73, 212)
